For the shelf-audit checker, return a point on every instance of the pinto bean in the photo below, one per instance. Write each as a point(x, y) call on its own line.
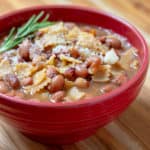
point(93, 63)
point(12, 81)
point(24, 50)
point(58, 96)
point(120, 79)
point(113, 42)
point(51, 72)
point(27, 81)
point(57, 84)
point(74, 53)
point(93, 60)
point(3, 87)
point(81, 71)
point(24, 53)
point(70, 73)
point(48, 48)
point(102, 39)
point(81, 83)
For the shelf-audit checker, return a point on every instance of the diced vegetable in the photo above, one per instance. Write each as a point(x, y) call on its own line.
point(111, 57)
point(75, 94)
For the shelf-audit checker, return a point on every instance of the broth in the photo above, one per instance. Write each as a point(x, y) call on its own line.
point(67, 62)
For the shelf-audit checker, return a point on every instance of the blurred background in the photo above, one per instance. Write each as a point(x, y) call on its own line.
point(131, 131)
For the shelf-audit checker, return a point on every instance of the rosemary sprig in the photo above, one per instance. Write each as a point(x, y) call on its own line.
point(16, 36)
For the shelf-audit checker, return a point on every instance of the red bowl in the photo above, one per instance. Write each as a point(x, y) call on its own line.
point(70, 122)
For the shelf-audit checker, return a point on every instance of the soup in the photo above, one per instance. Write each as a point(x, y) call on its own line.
point(67, 62)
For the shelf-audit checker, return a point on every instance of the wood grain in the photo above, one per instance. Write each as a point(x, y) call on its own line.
point(131, 131)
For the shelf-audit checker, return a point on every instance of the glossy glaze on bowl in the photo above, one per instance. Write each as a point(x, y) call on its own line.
point(70, 122)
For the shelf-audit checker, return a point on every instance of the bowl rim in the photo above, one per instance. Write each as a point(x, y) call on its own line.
point(94, 99)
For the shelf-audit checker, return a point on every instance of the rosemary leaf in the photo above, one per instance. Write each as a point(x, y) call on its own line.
point(46, 18)
point(38, 16)
point(25, 26)
point(25, 31)
point(9, 37)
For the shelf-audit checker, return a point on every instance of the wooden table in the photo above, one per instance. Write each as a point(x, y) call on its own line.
point(131, 131)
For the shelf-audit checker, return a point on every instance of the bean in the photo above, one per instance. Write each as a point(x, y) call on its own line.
point(24, 53)
point(56, 84)
point(58, 96)
point(51, 72)
point(27, 81)
point(120, 79)
point(12, 81)
point(3, 87)
point(70, 73)
point(81, 83)
point(93, 60)
point(113, 42)
point(74, 53)
point(102, 39)
point(81, 71)
point(48, 48)
point(107, 88)
point(24, 50)
point(93, 63)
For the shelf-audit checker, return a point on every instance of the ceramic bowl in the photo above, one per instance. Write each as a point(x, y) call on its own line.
point(63, 123)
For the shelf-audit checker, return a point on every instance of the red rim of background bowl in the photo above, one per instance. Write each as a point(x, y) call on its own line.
point(96, 99)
